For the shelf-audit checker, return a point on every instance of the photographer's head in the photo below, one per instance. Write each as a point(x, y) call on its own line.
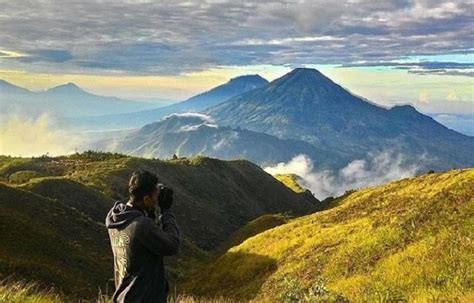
point(143, 190)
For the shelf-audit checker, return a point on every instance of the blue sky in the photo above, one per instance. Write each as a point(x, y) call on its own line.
point(401, 51)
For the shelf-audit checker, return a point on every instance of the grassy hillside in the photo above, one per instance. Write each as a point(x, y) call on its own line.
point(223, 194)
point(57, 206)
point(251, 229)
point(407, 240)
point(85, 199)
point(45, 241)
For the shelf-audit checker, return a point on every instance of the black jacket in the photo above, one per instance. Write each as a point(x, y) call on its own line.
point(139, 245)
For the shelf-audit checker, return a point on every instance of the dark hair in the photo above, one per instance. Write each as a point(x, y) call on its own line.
point(142, 183)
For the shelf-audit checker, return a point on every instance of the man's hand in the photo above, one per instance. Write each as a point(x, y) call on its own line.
point(165, 198)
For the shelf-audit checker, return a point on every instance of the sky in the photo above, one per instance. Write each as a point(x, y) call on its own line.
point(418, 52)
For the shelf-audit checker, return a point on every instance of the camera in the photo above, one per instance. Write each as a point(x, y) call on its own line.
point(165, 197)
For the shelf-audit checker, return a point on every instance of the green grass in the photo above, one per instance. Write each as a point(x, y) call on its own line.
point(407, 240)
point(251, 229)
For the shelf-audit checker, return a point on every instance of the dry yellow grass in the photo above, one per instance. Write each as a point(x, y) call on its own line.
point(290, 181)
point(407, 240)
point(22, 292)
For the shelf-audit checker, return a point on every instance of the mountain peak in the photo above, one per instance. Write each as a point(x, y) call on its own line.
point(70, 84)
point(404, 107)
point(308, 74)
point(252, 78)
point(68, 88)
point(246, 82)
point(221, 93)
point(306, 79)
point(405, 110)
point(305, 70)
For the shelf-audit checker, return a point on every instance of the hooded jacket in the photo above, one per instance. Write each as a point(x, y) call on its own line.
point(139, 245)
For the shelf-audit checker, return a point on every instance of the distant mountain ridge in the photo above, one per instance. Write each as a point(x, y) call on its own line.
point(67, 100)
point(306, 105)
point(68, 88)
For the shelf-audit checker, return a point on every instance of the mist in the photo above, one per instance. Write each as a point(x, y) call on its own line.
point(375, 169)
point(35, 137)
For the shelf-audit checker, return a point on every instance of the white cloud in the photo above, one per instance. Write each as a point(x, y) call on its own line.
point(423, 96)
point(190, 128)
point(203, 117)
point(35, 137)
point(376, 169)
point(195, 121)
point(287, 41)
point(452, 97)
point(300, 165)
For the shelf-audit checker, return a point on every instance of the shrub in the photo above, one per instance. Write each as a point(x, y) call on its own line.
point(317, 292)
point(23, 176)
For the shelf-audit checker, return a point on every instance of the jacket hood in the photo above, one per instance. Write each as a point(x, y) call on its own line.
point(121, 215)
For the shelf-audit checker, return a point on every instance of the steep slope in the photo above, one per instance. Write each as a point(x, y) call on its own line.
point(408, 240)
point(216, 95)
point(89, 201)
point(306, 105)
point(251, 229)
point(193, 134)
point(8, 89)
point(52, 244)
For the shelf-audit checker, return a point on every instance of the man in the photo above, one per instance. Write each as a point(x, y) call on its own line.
point(139, 244)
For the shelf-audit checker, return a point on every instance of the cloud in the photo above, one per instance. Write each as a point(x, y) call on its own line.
point(203, 117)
point(190, 128)
point(452, 96)
point(423, 67)
point(423, 96)
point(374, 170)
point(191, 121)
point(47, 55)
point(444, 72)
point(10, 54)
point(26, 138)
point(460, 123)
point(170, 37)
